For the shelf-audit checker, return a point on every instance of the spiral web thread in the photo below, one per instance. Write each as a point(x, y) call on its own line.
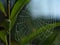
point(23, 30)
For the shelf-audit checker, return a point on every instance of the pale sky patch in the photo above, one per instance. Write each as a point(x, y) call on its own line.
point(45, 7)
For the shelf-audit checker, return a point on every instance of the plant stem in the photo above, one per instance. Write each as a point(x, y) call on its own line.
point(8, 13)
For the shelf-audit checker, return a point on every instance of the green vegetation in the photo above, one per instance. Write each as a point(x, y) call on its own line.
point(42, 34)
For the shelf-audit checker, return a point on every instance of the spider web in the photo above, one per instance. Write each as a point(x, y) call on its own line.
point(25, 25)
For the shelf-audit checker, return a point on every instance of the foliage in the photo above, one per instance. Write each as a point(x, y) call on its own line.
point(9, 22)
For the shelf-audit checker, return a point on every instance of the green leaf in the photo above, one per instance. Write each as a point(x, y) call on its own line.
point(3, 37)
point(28, 38)
point(2, 9)
point(16, 9)
point(50, 39)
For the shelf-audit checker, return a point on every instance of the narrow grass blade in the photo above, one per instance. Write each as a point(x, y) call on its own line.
point(50, 39)
point(16, 9)
point(2, 8)
point(28, 38)
point(3, 37)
